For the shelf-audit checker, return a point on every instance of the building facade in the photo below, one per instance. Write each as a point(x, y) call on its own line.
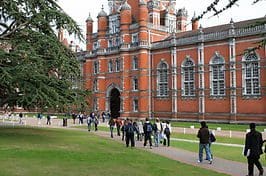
point(142, 62)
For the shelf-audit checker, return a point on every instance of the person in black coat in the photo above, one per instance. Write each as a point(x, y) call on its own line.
point(253, 149)
point(130, 130)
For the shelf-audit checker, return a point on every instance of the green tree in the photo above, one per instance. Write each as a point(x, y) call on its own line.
point(35, 68)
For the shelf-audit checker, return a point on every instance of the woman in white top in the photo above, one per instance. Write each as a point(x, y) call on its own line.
point(167, 132)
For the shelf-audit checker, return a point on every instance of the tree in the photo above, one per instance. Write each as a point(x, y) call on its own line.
point(35, 68)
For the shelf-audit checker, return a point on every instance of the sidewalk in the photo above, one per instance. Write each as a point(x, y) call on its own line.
point(219, 165)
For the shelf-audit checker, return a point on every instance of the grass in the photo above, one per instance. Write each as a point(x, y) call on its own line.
point(232, 127)
point(49, 152)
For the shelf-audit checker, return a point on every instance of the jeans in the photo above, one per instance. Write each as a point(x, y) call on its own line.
point(156, 139)
point(207, 150)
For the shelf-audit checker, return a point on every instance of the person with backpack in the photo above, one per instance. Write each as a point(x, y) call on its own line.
point(157, 131)
point(212, 139)
point(167, 133)
point(253, 149)
point(130, 130)
point(147, 132)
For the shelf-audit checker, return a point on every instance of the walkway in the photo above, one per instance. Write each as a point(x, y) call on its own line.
point(219, 165)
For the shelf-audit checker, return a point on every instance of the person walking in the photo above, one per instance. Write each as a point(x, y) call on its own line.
point(167, 133)
point(203, 135)
point(20, 118)
point(111, 125)
point(48, 119)
point(129, 129)
point(118, 123)
point(147, 132)
point(253, 149)
point(157, 131)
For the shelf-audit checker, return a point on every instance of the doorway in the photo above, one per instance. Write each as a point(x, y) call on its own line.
point(115, 103)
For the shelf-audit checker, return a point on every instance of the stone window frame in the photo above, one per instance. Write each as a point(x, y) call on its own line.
point(188, 67)
point(251, 61)
point(135, 63)
point(135, 105)
point(162, 79)
point(135, 84)
point(217, 75)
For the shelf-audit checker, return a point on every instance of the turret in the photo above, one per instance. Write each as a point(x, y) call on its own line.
point(125, 21)
point(89, 31)
point(181, 19)
point(102, 28)
point(195, 22)
point(143, 21)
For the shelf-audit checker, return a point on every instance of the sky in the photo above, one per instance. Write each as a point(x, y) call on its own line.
point(79, 10)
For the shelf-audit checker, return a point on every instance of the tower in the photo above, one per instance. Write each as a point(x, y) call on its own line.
point(89, 31)
point(181, 19)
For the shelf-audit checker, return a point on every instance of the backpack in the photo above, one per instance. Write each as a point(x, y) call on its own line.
point(149, 127)
point(130, 129)
point(212, 138)
point(167, 130)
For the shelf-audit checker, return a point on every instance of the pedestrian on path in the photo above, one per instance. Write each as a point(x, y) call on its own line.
point(157, 131)
point(147, 132)
point(203, 135)
point(48, 119)
point(111, 125)
point(20, 118)
point(167, 133)
point(130, 130)
point(253, 149)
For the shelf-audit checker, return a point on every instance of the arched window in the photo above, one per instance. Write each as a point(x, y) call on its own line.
point(217, 75)
point(188, 77)
point(110, 66)
point(162, 82)
point(251, 74)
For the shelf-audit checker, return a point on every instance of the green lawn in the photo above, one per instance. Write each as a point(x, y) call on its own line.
point(232, 127)
point(56, 152)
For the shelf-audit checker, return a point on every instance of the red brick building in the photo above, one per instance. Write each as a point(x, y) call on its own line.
point(142, 62)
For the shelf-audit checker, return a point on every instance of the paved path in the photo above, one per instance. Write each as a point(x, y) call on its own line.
point(218, 165)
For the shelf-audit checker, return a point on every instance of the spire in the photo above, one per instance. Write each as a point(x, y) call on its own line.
point(89, 18)
point(102, 13)
point(125, 6)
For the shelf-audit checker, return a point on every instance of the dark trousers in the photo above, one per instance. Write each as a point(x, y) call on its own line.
point(168, 140)
point(147, 137)
point(118, 130)
point(130, 137)
point(251, 162)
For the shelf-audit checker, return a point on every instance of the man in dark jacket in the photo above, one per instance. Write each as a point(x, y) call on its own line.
point(130, 130)
point(148, 128)
point(203, 135)
point(253, 149)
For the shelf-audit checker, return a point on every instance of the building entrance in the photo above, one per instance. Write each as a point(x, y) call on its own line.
point(115, 103)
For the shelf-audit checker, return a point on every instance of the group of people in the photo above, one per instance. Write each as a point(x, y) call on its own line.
point(139, 130)
point(94, 115)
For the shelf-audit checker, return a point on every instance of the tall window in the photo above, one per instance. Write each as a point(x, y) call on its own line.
point(251, 74)
point(135, 84)
point(96, 67)
point(162, 82)
point(135, 105)
point(95, 104)
point(135, 64)
point(217, 75)
point(117, 65)
point(188, 78)
point(95, 85)
point(110, 66)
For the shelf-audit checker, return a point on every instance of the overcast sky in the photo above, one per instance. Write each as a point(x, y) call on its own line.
point(79, 10)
